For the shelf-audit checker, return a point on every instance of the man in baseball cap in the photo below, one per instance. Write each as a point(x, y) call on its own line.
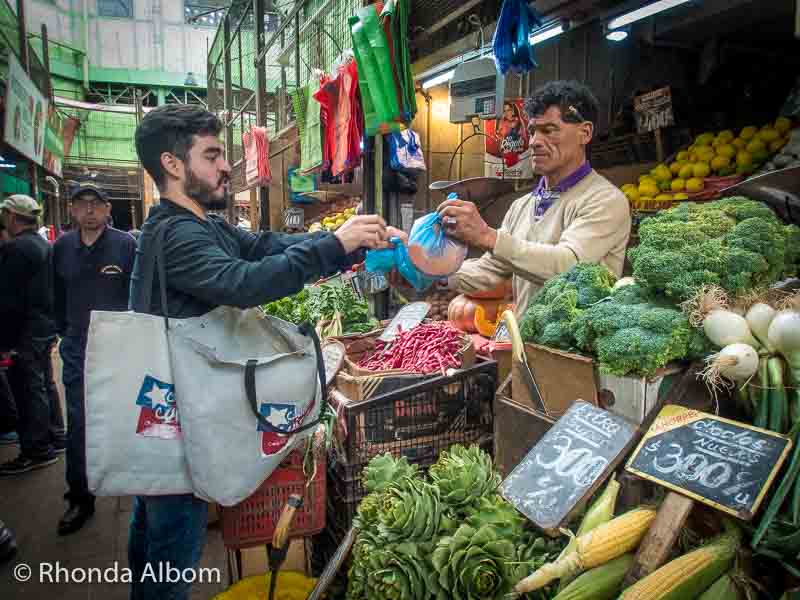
point(28, 304)
point(93, 264)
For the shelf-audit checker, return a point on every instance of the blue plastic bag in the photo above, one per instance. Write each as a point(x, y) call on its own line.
point(511, 43)
point(385, 260)
point(428, 233)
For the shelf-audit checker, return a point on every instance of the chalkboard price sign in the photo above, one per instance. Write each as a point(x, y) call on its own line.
point(407, 318)
point(716, 461)
point(567, 464)
point(501, 334)
point(654, 110)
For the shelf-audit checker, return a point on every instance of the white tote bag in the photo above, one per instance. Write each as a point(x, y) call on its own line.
point(134, 442)
point(249, 390)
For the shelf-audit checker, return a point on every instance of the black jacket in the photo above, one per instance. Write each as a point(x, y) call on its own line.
point(211, 263)
point(26, 289)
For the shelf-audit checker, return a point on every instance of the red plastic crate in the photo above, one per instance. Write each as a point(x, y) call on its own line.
point(252, 521)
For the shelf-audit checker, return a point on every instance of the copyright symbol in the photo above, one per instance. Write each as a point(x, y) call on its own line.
point(22, 573)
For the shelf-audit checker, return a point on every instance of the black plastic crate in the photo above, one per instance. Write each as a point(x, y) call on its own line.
point(422, 419)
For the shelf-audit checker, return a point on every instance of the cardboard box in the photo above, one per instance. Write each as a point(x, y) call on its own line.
point(516, 430)
point(255, 561)
point(565, 377)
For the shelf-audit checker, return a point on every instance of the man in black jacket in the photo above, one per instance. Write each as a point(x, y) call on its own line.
point(26, 307)
point(210, 263)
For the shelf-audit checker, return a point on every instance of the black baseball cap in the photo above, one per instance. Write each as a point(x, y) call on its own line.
point(80, 187)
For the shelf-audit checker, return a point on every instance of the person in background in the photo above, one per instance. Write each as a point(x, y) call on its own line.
point(8, 543)
point(573, 215)
point(210, 263)
point(26, 310)
point(93, 265)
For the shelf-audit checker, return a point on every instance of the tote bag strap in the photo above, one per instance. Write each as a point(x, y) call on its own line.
point(250, 387)
point(152, 259)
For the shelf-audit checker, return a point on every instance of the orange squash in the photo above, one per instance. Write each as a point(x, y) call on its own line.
point(462, 309)
point(483, 324)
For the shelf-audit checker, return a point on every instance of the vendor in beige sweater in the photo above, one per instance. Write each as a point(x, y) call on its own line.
point(573, 215)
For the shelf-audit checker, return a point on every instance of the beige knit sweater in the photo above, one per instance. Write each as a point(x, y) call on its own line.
point(591, 222)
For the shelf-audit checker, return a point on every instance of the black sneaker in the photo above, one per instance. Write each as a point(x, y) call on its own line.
point(23, 464)
point(59, 447)
point(8, 545)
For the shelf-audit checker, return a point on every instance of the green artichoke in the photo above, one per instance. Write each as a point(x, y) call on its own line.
point(463, 475)
point(496, 511)
point(385, 469)
point(368, 511)
point(402, 572)
point(410, 510)
point(475, 563)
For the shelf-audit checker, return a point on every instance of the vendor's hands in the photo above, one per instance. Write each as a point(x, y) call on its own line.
point(398, 233)
point(463, 221)
point(366, 231)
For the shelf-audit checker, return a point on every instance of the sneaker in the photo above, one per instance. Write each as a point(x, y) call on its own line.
point(23, 464)
point(9, 439)
point(59, 447)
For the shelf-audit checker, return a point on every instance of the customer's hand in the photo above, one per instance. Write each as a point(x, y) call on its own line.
point(394, 232)
point(367, 231)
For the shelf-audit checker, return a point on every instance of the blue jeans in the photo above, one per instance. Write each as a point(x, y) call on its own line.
point(73, 355)
point(165, 529)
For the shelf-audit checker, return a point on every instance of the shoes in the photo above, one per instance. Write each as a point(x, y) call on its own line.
point(9, 439)
point(75, 518)
point(59, 447)
point(8, 545)
point(23, 464)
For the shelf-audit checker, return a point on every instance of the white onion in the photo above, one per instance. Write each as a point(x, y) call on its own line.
point(724, 328)
point(784, 334)
point(759, 318)
point(737, 362)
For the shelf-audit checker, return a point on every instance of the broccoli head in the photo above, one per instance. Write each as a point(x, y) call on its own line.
point(551, 315)
point(735, 242)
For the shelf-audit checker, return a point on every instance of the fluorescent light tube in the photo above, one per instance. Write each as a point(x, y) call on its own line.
point(545, 33)
point(617, 35)
point(644, 12)
point(443, 78)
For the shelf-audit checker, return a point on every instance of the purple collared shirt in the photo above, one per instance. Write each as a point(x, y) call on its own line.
point(544, 197)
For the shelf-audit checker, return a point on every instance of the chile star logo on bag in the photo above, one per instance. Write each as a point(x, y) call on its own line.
point(283, 418)
point(158, 417)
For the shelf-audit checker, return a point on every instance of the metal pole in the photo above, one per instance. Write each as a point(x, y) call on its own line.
point(55, 205)
point(259, 9)
point(228, 105)
point(297, 50)
point(25, 59)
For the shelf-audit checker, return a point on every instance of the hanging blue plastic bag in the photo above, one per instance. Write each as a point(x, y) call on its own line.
point(511, 44)
point(431, 250)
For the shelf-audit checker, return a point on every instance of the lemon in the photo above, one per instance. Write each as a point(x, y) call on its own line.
point(748, 133)
point(648, 189)
point(661, 173)
point(633, 195)
point(681, 196)
point(686, 172)
point(720, 162)
point(755, 145)
point(777, 145)
point(663, 197)
point(678, 185)
point(726, 150)
point(782, 124)
point(704, 139)
point(647, 178)
point(683, 155)
point(739, 143)
point(744, 159)
point(768, 134)
point(665, 186)
point(701, 169)
point(726, 136)
point(628, 186)
point(675, 168)
point(705, 154)
point(694, 185)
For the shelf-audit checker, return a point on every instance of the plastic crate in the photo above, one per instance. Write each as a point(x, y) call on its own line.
point(252, 521)
point(420, 420)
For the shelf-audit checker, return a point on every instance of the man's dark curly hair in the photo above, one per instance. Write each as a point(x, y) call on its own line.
point(171, 128)
point(575, 100)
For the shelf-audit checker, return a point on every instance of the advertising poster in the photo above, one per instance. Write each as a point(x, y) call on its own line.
point(507, 153)
point(26, 113)
point(54, 144)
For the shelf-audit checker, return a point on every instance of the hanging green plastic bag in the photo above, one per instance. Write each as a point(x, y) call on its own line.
point(379, 46)
point(396, 12)
point(311, 140)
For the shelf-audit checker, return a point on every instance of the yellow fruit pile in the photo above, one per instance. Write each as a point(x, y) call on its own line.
point(333, 222)
point(720, 155)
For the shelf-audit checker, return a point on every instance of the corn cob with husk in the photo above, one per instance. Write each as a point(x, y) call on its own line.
point(724, 588)
point(602, 511)
point(601, 583)
point(604, 543)
point(689, 575)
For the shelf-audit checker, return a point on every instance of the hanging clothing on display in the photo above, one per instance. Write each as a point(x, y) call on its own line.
point(311, 152)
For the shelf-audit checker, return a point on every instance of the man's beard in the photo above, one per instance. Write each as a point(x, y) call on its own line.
point(203, 194)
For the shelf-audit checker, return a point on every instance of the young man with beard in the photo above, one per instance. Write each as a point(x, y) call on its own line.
point(573, 214)
point(210, 263)
point(93, 266)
